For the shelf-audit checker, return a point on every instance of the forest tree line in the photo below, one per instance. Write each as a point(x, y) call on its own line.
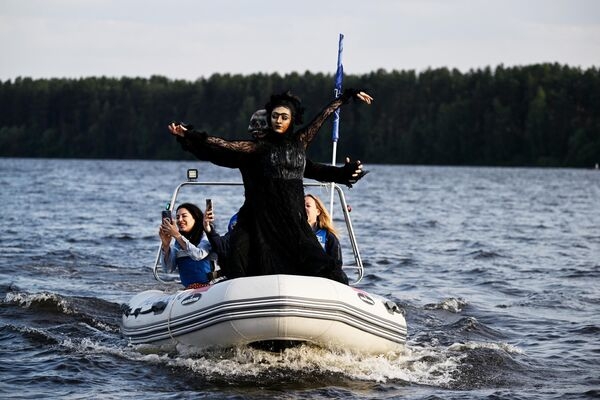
point(536, 115)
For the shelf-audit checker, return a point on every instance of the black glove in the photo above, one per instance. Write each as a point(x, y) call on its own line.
point(349, 169)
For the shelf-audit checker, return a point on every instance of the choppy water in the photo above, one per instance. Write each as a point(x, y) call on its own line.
point(498, 270)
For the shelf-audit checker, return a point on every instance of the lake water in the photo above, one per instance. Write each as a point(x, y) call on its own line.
point(498, 270)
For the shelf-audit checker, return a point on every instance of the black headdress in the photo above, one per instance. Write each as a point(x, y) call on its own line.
point(288, 100)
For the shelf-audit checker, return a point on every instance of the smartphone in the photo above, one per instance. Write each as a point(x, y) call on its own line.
point(166, 214)
point(208, 205)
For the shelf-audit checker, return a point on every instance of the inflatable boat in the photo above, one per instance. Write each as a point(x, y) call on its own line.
point(252, 310)
point(268, 309)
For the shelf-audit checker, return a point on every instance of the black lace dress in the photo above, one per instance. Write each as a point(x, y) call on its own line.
point(272, 235)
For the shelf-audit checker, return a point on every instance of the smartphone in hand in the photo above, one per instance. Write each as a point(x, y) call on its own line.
point(167, 214)
point(209, 205)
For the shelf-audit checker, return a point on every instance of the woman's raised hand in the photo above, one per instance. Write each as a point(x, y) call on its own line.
point(165, 238)
point(358, 165)
point(208, 219)
point(364, 97)
point(177, 129)
point(169, 228)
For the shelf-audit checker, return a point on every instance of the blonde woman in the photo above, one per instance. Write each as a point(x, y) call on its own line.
point(322, 225)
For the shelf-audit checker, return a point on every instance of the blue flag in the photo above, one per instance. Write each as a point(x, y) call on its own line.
point(337, 91)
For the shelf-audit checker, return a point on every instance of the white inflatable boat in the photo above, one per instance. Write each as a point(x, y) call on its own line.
point(268, 309)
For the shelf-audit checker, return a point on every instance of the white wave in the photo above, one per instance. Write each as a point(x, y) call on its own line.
point(451, 304)
point(431, 366)
point(505, 347)
point(27, 299)
point(428, 366)
point(62, 305)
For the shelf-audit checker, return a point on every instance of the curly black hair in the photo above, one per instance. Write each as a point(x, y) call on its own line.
point(287, 99)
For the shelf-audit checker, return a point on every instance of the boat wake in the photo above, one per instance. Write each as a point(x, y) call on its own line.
point(89, 327)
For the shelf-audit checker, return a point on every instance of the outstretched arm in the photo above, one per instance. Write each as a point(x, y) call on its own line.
point(225, 153)
point(308, 133)
point(347, 175)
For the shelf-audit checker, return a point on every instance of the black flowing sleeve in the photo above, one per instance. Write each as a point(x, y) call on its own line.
point(219, 244)
point(225, 153)
point(330, 173)
point(308, 133)
point(333, 248)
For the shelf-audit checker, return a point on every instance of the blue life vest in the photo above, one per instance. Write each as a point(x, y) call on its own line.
point(193, 271)
point(322, 237)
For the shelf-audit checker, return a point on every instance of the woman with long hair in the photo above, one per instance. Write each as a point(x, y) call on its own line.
point(322, 225)
point(190, 252)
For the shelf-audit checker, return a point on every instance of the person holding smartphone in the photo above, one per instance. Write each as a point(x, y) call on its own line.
point(184, 248)
point(219, 244)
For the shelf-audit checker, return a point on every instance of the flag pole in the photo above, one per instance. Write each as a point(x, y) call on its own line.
point(337, 91)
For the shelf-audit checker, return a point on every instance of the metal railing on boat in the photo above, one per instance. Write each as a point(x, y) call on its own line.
point(342, 202)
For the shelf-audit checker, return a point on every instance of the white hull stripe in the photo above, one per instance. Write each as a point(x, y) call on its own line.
point(275, 307)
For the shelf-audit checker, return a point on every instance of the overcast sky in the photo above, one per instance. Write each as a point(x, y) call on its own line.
point(188, 39)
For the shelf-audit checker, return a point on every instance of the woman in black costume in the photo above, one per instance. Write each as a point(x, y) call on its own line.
point(350, 173)
point(272, 235)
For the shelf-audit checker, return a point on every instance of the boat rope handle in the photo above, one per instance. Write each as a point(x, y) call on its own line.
point(169, 315)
